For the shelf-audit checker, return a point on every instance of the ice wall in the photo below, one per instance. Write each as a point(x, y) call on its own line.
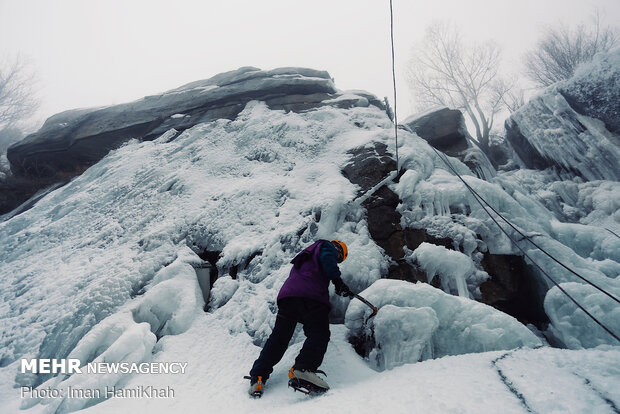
point(572, 125)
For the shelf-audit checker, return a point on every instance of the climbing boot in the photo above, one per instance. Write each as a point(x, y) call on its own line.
point(307, 381)
point(256, 387)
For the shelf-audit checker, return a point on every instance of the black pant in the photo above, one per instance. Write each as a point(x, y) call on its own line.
point(314, 317)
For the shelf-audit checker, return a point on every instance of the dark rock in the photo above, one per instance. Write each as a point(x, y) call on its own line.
point(297, 103)
point(512, 288)
point(15, 191)
point(384, 222)
point(415, 237)
point(369, 166)
point(211, 257)
point(443, 129)
point(409, 273)
point(77, 139)
point(18, 194)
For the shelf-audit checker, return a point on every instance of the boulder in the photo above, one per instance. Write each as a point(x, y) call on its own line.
point(594, 90)
point(443, 128)
point(73, 140)
point(368, 166)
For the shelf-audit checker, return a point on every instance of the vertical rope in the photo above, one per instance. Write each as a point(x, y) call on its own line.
point(394, 82)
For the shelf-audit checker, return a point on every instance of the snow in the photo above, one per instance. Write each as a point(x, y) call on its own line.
point(572, 325)
point(542, 380)
point(428, 323)
point(103, 269)
point(350, 96)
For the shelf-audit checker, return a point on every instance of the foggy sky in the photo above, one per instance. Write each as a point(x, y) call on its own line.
point(93, 53)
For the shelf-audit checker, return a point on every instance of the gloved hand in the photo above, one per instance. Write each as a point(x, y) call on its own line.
point(342, 289)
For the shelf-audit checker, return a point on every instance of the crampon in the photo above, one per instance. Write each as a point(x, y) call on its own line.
point(306, 382)
point(305, 387)
point(256, 389)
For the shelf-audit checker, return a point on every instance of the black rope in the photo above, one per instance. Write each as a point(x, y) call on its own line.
point(476, 195)
point(536, 245)
point(545, 252)
point(394, 82)
point(612, 232)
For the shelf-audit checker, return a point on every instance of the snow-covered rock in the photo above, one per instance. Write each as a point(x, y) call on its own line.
point(445, 130)
point(416, 322)
point(75, 139)
point(573, 125)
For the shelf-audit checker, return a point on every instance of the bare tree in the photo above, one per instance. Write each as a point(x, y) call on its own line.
point(444, 71)
point(558, 53)
point(509, 93)
point(17, 101)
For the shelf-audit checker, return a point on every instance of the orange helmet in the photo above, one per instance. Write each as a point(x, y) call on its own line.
point(342, 250)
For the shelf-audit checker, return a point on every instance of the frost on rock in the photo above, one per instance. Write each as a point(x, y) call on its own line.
point(573, 125)
point(431, 324)
point(102, 268)
point(404, 335)
point(456, 270)
point(223, 289)
point(568, 199)
point(572, 326)
point(439, 203)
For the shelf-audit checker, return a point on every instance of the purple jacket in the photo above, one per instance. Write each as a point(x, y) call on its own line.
point(308, 278)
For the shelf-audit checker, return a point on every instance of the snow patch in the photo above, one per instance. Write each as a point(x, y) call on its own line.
point(448, 325)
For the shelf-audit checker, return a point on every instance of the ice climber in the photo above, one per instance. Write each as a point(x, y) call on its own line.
point(303, 298)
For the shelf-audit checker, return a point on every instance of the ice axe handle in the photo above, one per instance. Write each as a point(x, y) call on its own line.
point(373, 307)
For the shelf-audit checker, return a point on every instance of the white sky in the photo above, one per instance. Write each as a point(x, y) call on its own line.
point(92, 53)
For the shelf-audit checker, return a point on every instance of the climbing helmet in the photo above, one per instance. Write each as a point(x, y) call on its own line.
point(342, 250)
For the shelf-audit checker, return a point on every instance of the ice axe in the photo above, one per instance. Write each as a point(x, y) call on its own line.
point(373, 307)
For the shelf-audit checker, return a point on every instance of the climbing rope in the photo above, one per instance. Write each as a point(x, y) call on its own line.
point(394, 82)
point(478, 198)
point(612, 232)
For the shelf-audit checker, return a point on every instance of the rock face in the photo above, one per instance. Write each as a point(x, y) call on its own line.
point(573, 126)
point(367, 168)
point(594, 90)
point(510, 288)
point(444, 129)
point(73, 140)
point(70, 142)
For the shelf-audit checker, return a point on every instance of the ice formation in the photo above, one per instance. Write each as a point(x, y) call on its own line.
point(456, 269)
point(417, 322)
